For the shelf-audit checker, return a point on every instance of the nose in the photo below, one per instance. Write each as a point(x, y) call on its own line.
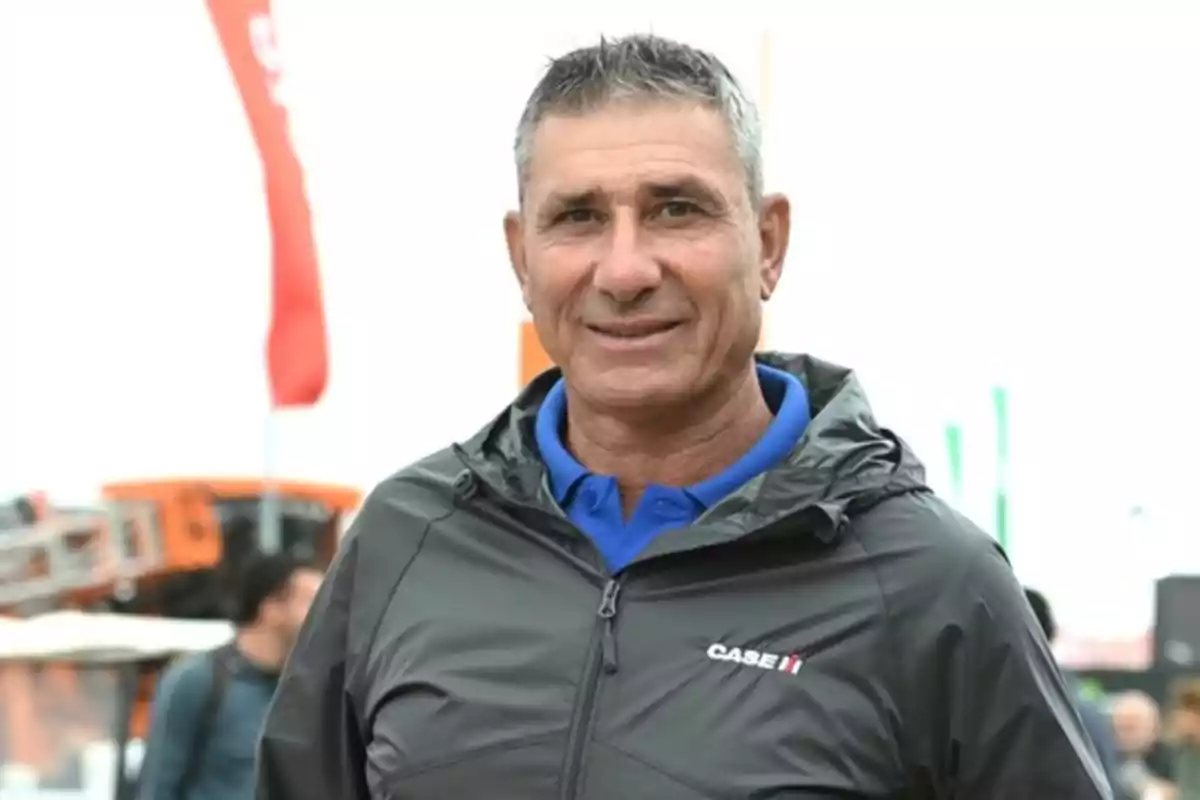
point(626, 271)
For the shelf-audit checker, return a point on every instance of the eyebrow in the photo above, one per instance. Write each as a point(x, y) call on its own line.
point(561, 201)
point(660, 190)
point(690, 188)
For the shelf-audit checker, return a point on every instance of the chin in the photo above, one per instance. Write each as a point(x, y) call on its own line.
point(636, 387)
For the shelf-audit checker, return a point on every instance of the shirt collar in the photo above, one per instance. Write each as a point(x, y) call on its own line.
point(563, 471)
point(784, 392)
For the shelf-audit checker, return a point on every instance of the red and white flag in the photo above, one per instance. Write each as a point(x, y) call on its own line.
point(297, 347)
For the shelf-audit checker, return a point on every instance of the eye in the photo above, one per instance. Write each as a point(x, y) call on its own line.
point(677, 209)
point(577, 216)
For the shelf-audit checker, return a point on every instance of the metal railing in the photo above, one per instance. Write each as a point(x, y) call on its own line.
point(79, 551)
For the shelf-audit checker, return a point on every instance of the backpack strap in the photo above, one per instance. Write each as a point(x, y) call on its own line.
point(222, 660)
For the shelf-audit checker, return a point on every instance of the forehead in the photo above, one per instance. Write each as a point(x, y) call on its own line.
point(623, 146)
point(1132, 711)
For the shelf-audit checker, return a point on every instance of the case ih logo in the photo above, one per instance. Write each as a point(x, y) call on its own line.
point(775, 662)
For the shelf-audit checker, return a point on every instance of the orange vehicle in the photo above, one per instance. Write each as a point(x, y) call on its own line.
point(161, 547)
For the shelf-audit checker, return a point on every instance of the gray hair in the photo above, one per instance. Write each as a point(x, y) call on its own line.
point(643, 67)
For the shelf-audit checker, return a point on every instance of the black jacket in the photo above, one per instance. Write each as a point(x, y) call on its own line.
point(831, 630)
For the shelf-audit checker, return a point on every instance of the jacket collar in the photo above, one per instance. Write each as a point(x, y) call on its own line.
point(844, 462)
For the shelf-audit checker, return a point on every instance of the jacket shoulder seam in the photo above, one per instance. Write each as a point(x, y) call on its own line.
point(362, 655)
point(896, 652)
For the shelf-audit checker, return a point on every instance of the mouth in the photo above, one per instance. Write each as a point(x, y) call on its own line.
point(634, 330)
point(630, 337)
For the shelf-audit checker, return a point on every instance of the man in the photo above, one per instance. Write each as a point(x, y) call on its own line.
point(1184, 733)
point(1095, 720)
point(209, 709)
point(1144, 759)
point(671, 570)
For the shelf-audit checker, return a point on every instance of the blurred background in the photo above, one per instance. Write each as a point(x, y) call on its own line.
point(996, 210)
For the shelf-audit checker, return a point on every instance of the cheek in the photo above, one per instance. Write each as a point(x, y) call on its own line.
point(549, 293)
point(554, 272)
point(556, 280)
point(723, 289)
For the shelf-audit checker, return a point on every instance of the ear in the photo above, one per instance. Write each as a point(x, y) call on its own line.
point(513, 236)
point(774, 230)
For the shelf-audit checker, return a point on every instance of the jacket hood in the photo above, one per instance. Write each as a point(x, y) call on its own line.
point(845, 462)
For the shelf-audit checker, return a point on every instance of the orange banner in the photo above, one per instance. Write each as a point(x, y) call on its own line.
point(534, 360)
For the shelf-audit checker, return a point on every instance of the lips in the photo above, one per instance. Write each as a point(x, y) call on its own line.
point(634, 328)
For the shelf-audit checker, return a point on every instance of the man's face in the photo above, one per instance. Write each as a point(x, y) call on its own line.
point(1135, 725)
point(639, 252)
point(1186, 724)
point(292, 605)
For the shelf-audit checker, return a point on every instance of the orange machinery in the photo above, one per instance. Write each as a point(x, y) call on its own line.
point(164, 547)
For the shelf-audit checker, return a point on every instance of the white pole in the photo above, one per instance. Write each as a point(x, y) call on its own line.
point(269, 533)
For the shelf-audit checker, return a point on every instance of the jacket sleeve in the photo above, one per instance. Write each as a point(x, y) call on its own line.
point(989, 713)
point(178, 699)
point(312, 745)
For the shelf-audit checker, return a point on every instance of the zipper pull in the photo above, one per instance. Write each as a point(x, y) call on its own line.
point(608, 613)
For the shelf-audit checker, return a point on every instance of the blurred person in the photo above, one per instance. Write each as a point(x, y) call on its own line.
point(670, 569)
point(1094, 718)
point(1143, 759)
point(209, 709)
point(1183, 731)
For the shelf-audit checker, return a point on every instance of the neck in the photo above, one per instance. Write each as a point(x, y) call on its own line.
point(671, 447)
point(261, 648)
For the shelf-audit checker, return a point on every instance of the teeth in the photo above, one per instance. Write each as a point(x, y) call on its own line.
point(635, 335)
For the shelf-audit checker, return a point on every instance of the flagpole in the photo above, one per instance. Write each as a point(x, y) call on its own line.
point(270, 535)
point(1000, 405)
point(954, 451)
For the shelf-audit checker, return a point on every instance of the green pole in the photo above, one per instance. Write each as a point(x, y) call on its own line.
point(954, 450)
point(1000, 401)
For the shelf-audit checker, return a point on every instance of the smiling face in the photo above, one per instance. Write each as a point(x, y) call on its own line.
point(640, 254)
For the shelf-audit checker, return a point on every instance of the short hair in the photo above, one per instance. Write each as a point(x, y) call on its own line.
point(261, 577)
point(643, 68)
point(1043, 612)
point(1187, 696)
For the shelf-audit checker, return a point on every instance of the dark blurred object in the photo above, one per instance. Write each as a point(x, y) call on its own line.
point(1177, 623)
point(19, 512)
point(1041, 610)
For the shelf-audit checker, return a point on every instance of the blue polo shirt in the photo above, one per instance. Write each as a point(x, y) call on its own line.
point(593, 502)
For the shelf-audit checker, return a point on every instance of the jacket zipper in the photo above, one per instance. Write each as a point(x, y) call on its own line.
point(601, 661)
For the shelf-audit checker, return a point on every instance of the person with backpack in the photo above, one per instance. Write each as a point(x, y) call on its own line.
point(209, 709)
